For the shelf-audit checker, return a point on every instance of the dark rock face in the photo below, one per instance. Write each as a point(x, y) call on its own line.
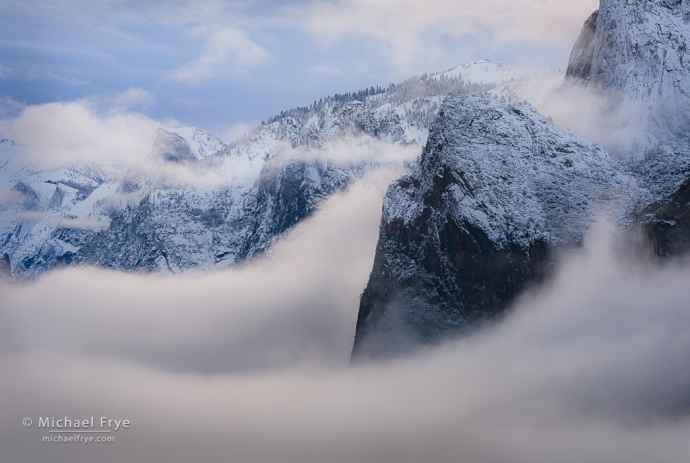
point(5, 267)
point(498, 187)
point(171, 147)
point(289, 193)
point(580, 63)
point(665, 226)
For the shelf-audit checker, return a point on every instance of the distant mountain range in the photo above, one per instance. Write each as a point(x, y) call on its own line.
point(242, 196)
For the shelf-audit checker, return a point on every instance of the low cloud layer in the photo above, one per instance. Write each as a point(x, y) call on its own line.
point(252, 365)
point(102, 130)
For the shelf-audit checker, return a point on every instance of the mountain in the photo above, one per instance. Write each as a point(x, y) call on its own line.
point(47, 213)
point(499, 190)
point(198, 204)
point(185, 144)
point(637, 54)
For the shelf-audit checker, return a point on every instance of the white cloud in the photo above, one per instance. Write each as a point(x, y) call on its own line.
point(225, 52)
point(67, 80)
point(235, 132)
point(10, 107)
point(56, 133)
point(352, 150)
point(132, 98)
point(410, 27)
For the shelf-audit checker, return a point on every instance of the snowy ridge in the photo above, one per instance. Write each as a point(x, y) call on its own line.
point(482, 72)
point(185, 144)
point(499, 188)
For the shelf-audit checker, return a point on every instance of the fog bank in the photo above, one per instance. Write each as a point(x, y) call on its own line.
point(252, 365)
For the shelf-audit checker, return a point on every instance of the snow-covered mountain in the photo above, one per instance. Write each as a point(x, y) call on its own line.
point(199, 204)
point(637, 54)
point(46, 214)
point(499, 188)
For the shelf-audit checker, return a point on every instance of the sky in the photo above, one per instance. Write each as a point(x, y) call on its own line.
point(226, 65)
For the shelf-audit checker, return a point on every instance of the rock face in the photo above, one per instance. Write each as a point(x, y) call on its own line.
point(582, 56)
point(5, 267)
point(665, 226)
point(497, 189)
point(185, 145)
point(187, 229)
point(639, 53)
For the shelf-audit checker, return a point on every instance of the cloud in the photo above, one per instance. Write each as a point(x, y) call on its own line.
point(226, 52)
point(290, 308)
point(4, 71)
point(410, 28)
point(132, 98)
point(83, 223)
point(618, 123)
point(350, 150)
point(56, 133)
point(324, 71)
point(251, 364)
point(10, 107)
point(235, 132)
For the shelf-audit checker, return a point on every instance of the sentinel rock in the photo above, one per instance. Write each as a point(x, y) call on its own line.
point(497, 189)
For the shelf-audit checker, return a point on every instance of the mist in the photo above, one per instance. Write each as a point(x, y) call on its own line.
point(102, 130)
point(619, 124)
point(253, 364)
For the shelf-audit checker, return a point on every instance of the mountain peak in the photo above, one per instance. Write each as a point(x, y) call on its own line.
point(185, 144)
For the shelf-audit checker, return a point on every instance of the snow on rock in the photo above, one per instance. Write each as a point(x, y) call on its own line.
point(185, 144)
point(639, 52)
point(635, 56)
point(497, 189)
